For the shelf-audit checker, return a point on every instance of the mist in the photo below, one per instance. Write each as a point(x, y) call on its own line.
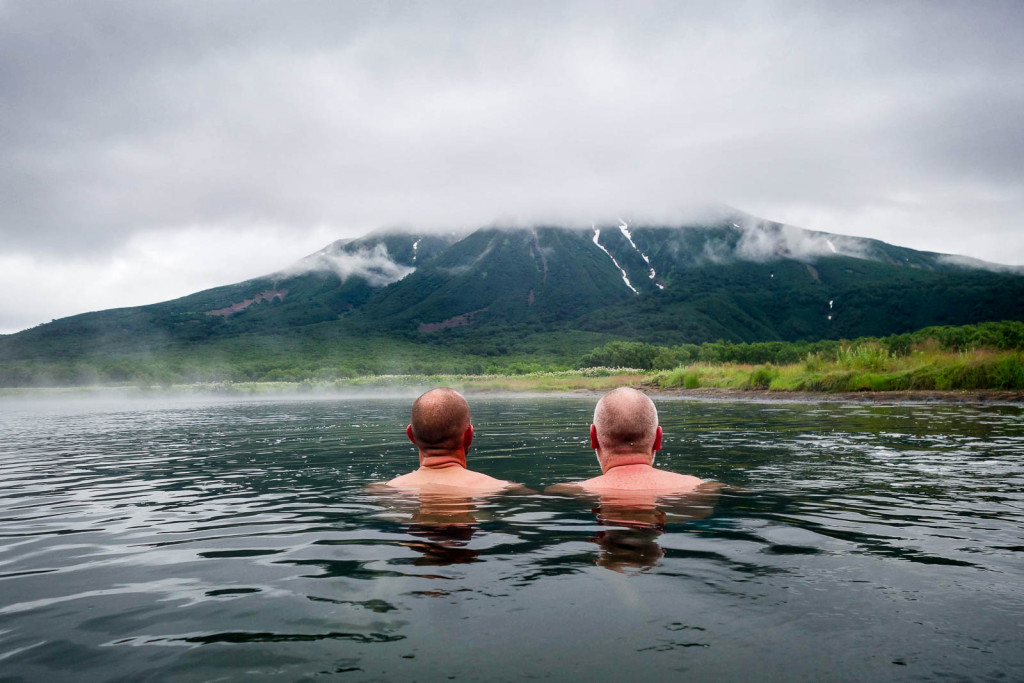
point(372, 264)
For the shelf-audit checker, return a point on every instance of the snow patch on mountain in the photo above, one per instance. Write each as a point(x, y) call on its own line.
point(624, 229)
point(625, 278)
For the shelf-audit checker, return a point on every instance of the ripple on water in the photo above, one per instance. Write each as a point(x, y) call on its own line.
point(178, 541)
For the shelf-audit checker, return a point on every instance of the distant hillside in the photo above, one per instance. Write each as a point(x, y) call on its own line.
point(551, 291)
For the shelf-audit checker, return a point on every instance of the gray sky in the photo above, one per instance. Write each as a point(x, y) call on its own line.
point(152, 149)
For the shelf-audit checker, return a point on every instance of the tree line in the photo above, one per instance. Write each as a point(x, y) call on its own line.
point(1001, 336)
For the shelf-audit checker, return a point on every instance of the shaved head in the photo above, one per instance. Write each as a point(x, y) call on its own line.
point(439, 418)
point(626, 419)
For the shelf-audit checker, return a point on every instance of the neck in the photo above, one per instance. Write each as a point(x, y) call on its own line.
point(627, 460)
point(440, 461)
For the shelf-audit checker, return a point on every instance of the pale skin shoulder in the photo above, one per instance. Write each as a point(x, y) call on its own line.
point(641, 478)
point(450, 478)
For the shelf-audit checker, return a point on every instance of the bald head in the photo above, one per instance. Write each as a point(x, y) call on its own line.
point(439, 418)
point(626, 420)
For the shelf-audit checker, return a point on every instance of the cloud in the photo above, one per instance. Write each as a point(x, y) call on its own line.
point(153, 266)
point(901, 122)
point(372, 264)
point(764, 242)
point(968, 262)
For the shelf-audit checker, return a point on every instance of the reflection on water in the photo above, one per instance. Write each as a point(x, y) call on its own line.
point(226, 540)
point(640, 518)
point(443, 523)
point(634, 548)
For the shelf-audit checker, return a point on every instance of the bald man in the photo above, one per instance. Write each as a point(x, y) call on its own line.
point(442, 432)
point(626, 435)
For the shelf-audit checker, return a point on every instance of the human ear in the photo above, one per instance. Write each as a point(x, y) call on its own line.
point(467, 437)
point(408, 433)
point(657, 439)
point(593, 436)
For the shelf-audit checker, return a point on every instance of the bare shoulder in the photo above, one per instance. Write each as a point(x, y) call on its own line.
point(410, 479)
point(452, 479)
point(647, 480)
point(485, 482)
point(484, 478)
point(683, 480)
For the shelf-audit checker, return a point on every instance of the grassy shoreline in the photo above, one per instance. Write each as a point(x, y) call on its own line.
point(866, 368)
point(862, 376)
point(968, 357)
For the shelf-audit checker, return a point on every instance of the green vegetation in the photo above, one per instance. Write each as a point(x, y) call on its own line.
point(321, 354)
point(997, 336)
point(520, 300)
point(971, 357)
point(523, 308)
point(967, 371)
point(983, 356)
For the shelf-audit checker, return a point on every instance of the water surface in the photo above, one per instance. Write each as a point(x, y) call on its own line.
point(228, 540)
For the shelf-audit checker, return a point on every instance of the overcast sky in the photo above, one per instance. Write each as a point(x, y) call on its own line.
point(149, 150)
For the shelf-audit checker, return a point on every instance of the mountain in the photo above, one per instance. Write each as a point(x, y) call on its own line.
point(548, 290)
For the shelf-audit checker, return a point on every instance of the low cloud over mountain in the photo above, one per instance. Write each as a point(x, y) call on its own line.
point(372, 264)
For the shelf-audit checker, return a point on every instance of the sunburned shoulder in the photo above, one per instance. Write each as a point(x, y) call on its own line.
point(649, 480)
point(448, 479)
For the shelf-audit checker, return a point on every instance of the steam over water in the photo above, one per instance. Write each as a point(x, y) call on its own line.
point(233, 540)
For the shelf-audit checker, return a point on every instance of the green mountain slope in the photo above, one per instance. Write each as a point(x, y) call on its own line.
point(394, 299)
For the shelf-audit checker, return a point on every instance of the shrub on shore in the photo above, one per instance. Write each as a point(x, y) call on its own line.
point(869, 369)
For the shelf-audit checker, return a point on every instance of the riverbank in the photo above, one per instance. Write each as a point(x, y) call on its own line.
point(909, 396)
point(596, 380)
point(865, 368)
point(566, 382)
